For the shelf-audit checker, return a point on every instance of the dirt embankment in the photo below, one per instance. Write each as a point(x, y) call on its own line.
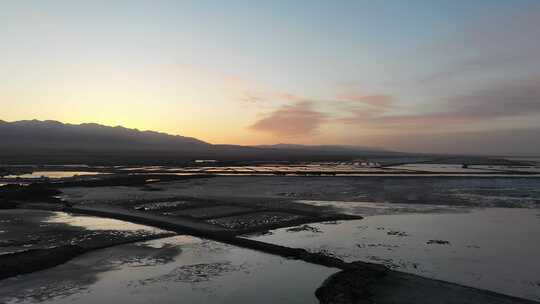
point(363, 285)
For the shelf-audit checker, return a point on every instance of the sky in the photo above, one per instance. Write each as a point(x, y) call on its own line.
point(420, 76)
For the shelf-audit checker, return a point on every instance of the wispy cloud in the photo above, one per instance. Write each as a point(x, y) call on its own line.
point(259, 97)
point(379, 101)
point(252, 98)
point(503, 99)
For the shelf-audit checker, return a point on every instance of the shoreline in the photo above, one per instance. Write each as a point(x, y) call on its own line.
point(358, 281)
point(206, 208)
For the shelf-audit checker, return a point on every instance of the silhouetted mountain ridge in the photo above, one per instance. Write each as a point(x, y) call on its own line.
point(34, 141)
point(56, 135)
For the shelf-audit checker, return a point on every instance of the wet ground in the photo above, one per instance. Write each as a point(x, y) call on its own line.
point(52, 174)
point(178, 269)
point(22, 230)
point(494, 248)
point(32, 240)
point(449, 228)
point(428, 166)
point(454, 191)
point(446, 228)
point(458, 168)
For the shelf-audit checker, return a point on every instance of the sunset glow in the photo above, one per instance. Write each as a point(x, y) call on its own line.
point(372, 73)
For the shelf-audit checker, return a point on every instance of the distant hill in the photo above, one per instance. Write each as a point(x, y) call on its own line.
point(53, 135)
point(34, 141)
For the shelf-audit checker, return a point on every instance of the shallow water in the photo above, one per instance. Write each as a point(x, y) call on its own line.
point(350, 170)
point(53, 174)
point(97, 223)
point(180, 269)
point(495, 249)
point(535, 159)
point(449, 168)
point(470, 191)
point(533, 168)
point(33, 229)
point(443, 168)
point(371, 208)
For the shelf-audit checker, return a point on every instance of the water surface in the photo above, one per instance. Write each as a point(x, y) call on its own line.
point(180, 269)
point(53, 174)
point(494, 248)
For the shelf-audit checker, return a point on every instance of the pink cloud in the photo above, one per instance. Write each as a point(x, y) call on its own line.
point(503, 99)
point(291, 120)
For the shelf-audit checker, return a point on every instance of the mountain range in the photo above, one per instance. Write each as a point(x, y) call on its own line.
point(53, 141)
point(90, 136)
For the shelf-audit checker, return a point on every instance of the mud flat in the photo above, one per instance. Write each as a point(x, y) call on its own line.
point(32, 240)
point(460, 247)
point(52, 174)
point(202, 271)
point(465, 191)
point(369, 282)
point(181, 268)
point(211, 213)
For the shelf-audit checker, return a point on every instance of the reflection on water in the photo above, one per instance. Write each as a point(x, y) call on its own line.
point(532, 159)
point(494, 249)
point(371, 208)
point(178, 240)
point(454, 168)
point(53, 174)
point(23, 229)
point(445, 168)
point(97, 223)
point(197, 271)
